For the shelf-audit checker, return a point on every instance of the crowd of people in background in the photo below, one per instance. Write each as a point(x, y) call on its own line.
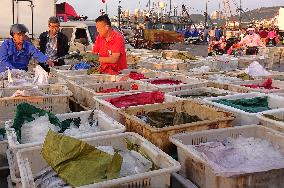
point(228, 41)
point(222, 40)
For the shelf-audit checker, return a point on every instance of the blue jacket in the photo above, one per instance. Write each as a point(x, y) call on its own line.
point(13, 59)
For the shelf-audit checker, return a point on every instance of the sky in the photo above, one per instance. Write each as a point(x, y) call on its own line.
point(91, 8)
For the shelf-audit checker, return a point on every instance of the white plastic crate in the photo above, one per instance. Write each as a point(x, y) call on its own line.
point(70, 73)
point(113, 111)
point(58, 70)
point(200, 172)
point(148, 73)
point(76, 86)
point(55, 101)
point(51, 80)
point(187, 83)
point(105, 123)
point(178, 181)
point(198, 91)
point(236, 86)
point(270, 123)
point(162, 64)
point(242, 117)
point(246, 60)
point(32, 162)
point(90, 91)
point(224, 63)
point(3, 159)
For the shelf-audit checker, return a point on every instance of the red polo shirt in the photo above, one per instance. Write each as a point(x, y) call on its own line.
point(106, 48)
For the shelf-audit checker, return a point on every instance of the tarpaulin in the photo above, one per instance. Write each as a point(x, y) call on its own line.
point(165, 118)
point(137, 99)
point(65, 8)
point(136, 76)
point(165, 81)
point(253, 105)
point(267, 84)
point(77, 162)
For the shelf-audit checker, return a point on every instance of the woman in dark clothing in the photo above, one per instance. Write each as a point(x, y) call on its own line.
point(53, 43)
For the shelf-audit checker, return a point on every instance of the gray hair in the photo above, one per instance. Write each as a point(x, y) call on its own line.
point(53, 19)
point(18, 28)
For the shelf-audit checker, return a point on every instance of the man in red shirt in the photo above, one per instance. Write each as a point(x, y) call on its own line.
point(110, 47)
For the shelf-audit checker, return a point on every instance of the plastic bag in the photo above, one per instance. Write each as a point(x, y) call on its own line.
point(253, 105)
point(136, 76)
point(267, 84)
point(137, 99)
point(41, 76)
point(28, 92)
point(35, 131)
point(82, 65)
point(77, 162)
point(165, 81)
point(255, 69)
point(165, 118)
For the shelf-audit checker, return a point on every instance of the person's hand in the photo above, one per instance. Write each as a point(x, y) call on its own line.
point(50, 63)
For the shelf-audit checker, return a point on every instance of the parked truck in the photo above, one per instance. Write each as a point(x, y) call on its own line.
point(33, 13)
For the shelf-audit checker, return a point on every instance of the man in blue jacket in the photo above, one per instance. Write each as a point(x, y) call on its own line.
point(16, 52)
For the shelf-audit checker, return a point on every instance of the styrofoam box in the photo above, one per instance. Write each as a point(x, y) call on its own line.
point(113, 111)
point(107, 124)
point(187, 83)
point(235, 86)
point(242, 117)
point(199, 90)
point(270, 123)
point(200, 172)
point(31, 162)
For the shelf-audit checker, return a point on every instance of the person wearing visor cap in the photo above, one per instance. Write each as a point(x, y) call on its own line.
point(252, 42)
point(16, 52)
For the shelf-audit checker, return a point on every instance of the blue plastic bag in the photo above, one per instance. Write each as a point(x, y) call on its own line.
point(82, 65)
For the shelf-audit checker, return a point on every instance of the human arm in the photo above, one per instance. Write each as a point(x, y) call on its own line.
point(39, 56)
point(113, 58)
point(5, 61)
